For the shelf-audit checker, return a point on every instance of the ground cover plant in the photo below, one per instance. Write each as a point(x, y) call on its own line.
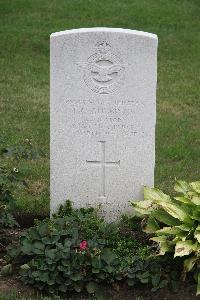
point(78, 251)
point(24, 104)
point(175, 222)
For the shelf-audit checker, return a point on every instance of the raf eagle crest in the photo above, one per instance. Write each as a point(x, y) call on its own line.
point(104, 70)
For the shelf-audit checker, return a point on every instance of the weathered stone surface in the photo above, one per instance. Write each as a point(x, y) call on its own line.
point(103, 97)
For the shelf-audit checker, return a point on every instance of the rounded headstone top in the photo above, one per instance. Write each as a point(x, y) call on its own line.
point(104, 29)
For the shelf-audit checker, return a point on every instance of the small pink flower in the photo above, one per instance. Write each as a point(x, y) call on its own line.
point(83, 245)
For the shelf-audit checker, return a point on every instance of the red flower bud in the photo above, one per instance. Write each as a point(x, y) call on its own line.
point(83, 245)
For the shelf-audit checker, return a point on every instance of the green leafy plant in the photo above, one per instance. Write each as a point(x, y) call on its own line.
point(24, 150)
point(78, 251)
point(175, 222)
point(56, 257)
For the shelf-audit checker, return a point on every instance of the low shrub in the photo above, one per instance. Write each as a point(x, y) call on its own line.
point(175, 222)
point(78, 251)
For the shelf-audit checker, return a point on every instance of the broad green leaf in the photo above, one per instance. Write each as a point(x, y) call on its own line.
point(196, 186)
point(183, 200)
point(39, 245)
point(183, 248)
point(164, 244)
point(27, 249)
point(175, 211)
point(195, 199)
point(179, 232)
point(163, 217)
point(155, 194)
point(168, 231)
point(159, 239)
point(151, 225)
point(33, 232)
point(196, 214)
point(51, 253)
point(181, 186)
point(144, 207)
point(184, 227)
point(43, 229)
point(189, 263)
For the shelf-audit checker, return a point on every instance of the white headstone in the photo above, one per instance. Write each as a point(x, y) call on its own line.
point(103, 97)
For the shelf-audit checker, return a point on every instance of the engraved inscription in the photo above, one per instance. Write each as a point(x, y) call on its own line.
point(104, 70)
point(100, 119)
point(103, 164)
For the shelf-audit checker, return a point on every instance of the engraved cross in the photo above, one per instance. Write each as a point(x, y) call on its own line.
point(103, 164)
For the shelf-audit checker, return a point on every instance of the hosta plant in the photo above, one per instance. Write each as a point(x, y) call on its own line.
point(174, 222)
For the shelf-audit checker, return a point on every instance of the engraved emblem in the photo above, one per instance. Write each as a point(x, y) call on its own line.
point(104, 70)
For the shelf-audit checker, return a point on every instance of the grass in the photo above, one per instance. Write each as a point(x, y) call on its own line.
point(24, 58)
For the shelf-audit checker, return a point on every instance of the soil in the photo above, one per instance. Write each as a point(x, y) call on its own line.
point(13, 283)
point(26, 220)
point(186, 292)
